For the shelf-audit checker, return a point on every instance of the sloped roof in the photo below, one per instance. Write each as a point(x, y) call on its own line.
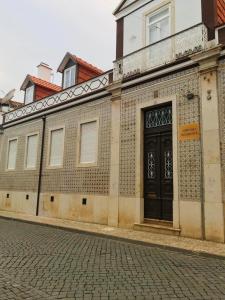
point(220, 12)
point(13, 103)
point(123, 4)
point(40, 82)
point(79, 61)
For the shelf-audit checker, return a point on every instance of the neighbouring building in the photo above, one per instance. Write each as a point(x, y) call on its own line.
point(141, 146)
point(8, 106)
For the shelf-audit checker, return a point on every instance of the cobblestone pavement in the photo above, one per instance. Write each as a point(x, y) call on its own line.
point(38, 262)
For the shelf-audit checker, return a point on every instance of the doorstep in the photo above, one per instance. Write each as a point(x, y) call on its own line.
point(157, 226)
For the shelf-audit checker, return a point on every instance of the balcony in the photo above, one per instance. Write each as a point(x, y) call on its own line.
point(75, 92)
point(161, 53)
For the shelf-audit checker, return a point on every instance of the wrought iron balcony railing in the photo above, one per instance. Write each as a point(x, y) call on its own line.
point(162, 52)
point(83, 89)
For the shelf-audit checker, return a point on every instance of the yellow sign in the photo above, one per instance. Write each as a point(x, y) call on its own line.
point(189, 132)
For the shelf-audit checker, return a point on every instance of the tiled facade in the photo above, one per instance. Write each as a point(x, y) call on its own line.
point(111, 190)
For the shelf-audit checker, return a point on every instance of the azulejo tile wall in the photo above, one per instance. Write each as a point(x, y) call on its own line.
point(69, 178)
point(20, 179)
point(221, 91)
point(189, 157)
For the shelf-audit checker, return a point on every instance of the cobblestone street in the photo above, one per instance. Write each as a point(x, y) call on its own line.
point(38, 262)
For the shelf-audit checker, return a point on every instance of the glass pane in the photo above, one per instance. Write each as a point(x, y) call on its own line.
point(29, 95)
point(158, 117)
point(159, 16)
point(164, 28)
point(56, 148)
point(154, 34)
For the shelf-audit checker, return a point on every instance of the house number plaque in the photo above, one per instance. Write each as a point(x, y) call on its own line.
point(189, 132)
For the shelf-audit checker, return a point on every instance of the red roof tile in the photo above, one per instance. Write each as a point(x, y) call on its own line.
point(45, 84)
point(87, 65)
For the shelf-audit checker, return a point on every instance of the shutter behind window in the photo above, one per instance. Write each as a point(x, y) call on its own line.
point(12, 154)
point(32, 143)
point(89, 140)
point(56, 147)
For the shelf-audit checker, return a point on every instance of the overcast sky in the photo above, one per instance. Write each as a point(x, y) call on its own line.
point(32, 31)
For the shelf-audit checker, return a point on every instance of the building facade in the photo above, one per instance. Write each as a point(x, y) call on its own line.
point(141, 146)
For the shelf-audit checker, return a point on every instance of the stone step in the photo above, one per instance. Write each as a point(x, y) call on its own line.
point(157, 228)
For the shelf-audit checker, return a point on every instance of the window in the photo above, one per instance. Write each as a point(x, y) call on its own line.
point(88, 142)
point(69, 77)
point(29, 95)
point(158, 26)
point(56, 148)
point(31, 151)
point(12, 151)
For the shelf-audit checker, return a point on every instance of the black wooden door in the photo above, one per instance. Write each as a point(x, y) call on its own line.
point(158, 173)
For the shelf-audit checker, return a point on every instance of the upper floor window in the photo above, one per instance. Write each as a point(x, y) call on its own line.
point(31, 151)
point(56, 148)
point(29, 94)
point(12, 153)
point(158, 25)
point(69, 77)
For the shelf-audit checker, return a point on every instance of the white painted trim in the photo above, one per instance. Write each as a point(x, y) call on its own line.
point(50, 129)
point(78, 163)
point(140, 157)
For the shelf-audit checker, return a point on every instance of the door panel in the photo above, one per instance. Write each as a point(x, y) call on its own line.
point(158, 173)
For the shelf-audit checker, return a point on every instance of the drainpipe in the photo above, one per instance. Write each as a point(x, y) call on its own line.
point(41, 164)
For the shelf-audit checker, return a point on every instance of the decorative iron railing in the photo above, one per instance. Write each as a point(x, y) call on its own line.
point(162, 52)
point(74, 92)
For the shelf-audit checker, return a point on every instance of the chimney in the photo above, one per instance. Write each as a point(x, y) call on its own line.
point(44, 72)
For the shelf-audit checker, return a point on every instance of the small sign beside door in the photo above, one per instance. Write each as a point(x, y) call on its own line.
point(189, 132)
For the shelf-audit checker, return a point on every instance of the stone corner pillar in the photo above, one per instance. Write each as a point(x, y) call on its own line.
point(113, 207)
point(212, 205)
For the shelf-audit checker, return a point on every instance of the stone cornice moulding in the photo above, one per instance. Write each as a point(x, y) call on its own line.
point(115, 89)
point(208, 59)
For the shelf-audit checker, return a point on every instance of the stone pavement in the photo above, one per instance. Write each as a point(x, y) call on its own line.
point(145, 237)
point(43, 262)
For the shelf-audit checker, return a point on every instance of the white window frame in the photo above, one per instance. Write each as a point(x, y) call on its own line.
point(70, 69)
point(26, 145)
point(7, 160)
point(88, 164)
point(49, 166)
point(30, 88)
point(159, 8)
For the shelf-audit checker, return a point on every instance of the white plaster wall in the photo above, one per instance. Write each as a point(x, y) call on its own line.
point(187, 14)
point(1, 118)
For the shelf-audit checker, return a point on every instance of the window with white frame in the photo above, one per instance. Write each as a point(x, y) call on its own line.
point(29, 94)
point(158, 25)
point(56, 147)
point(69, 77)
point(88, 142)
point(12, 153)
point(31, 151)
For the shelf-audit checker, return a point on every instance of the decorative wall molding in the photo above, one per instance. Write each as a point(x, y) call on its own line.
point(72, 93)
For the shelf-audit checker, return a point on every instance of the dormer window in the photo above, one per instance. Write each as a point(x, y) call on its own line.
point(29, 95)
point(69, 77)
point(158, 25)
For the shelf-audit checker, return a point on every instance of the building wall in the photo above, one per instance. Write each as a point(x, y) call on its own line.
point(70, 184)
point(221, 91)
point(189, 152)
point(134, 23)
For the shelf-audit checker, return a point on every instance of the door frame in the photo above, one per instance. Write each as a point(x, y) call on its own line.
point(140, 157)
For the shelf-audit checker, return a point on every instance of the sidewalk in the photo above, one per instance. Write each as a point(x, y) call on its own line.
point(128, 234)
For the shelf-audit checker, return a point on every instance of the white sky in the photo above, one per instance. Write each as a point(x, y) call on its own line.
point(32, 31)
